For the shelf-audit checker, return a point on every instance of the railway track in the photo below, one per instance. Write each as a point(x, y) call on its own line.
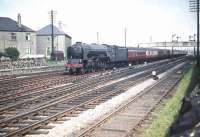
point(31, 71)
point(20, 82)
point(25, 118)
point(21, 96)
point(18, 88)
point(52, 94)
point(9, 78)
point(41, 85)
point(124, 120)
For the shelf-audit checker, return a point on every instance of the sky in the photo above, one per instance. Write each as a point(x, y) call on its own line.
point(145, 20)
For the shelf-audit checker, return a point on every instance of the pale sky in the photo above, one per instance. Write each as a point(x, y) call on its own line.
point(82, 19)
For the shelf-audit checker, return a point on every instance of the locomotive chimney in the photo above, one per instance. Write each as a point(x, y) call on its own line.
point(19, 20)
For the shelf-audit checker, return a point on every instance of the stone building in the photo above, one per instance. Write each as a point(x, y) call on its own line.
point(14, 34)
point(61, 41)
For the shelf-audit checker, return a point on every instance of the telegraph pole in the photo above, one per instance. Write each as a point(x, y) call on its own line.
point(125, 30)
point(97, 37)
point(52, 14)
point(194, 7)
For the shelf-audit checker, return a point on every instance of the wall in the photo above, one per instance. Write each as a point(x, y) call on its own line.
point(24, 46)
point(61, 42)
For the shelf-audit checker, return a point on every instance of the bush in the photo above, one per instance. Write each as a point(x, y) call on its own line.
point(12, 53)
point(1, 54)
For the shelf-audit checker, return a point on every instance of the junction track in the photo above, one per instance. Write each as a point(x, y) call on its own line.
point(26, 113)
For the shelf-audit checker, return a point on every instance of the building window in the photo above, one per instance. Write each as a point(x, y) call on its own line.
point(28, 50)
point(48, 38)
point(28, 37)
point(13, 36)
point(48, 51)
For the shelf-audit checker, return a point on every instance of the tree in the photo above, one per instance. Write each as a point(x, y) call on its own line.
point(12, 53)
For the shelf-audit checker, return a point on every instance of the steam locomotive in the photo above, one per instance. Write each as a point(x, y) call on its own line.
point(82, 58)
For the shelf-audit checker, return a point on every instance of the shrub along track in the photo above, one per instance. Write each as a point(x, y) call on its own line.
point(39, 110)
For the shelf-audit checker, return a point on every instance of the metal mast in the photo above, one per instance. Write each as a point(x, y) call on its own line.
point(97, 37)
point(125, 30)
point(198, 33)
point(194, 7)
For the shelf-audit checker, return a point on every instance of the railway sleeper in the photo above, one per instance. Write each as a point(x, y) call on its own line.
point(37, 118)
point(76, 112)
point(8, 129)
point(57, 122)
point(47, 127)
point(86, 107)
point(2, 117)
point(18, 125)
point(81, 109)
point(37, 132)
point(63, 119)
point(59, 108)
point(53, 111)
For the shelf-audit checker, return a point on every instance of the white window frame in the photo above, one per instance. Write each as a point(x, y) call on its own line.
point(28, 37)
point(13, 36)
point(28, 50)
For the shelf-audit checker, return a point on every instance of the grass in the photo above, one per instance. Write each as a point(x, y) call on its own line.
point(160, 126)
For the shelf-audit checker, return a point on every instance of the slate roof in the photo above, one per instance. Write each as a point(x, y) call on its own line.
point(7, 24)
point(46, 31)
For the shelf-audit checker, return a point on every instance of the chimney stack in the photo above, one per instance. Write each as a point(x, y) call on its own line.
point(60, 25)
point(19, 20)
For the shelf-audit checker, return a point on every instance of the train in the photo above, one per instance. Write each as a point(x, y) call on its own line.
point(83, 58)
